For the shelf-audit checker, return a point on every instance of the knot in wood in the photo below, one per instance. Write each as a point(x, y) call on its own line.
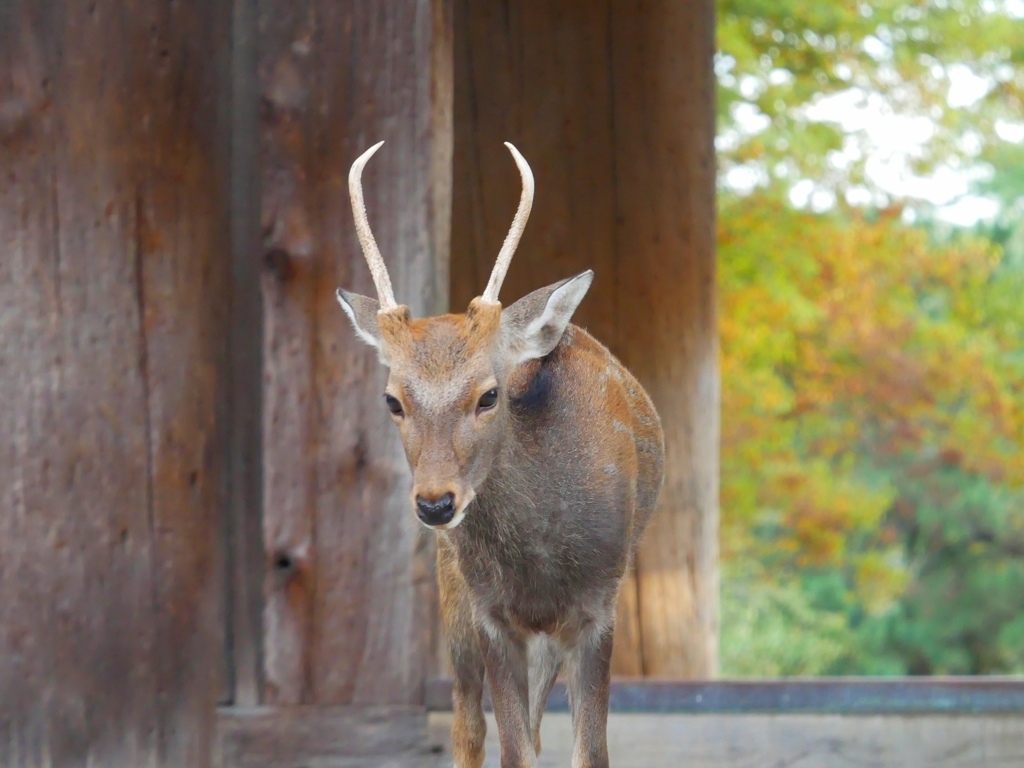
point(279, 263)
point(286, 565)
point(15, 114)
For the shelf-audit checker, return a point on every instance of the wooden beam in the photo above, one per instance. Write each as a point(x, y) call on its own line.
point(244, 504)
point(664, 129)
point(350, 608)
point(113, 229)
point(612, 102)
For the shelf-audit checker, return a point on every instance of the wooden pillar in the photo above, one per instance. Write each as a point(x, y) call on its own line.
point(350, 613)
point(113, 229)
point(612, 102)
point(244, 649)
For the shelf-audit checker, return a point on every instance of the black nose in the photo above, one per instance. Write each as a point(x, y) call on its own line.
point(436, 511)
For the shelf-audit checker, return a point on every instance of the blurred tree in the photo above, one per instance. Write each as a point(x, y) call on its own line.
point(873, 404)
point(873, 477)
point(792, 74)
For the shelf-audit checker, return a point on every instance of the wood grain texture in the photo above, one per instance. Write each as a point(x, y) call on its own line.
point(332, 737)
point(244, 513)
point(349, 612)
point(113, 227)
point(807, 741)
point(612, 104)
point(664, 129)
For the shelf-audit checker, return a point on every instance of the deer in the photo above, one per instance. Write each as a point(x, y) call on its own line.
point(538, 460)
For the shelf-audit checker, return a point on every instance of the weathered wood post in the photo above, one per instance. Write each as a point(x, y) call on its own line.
point(612, 102)
point(113, 282)
point(350, 613)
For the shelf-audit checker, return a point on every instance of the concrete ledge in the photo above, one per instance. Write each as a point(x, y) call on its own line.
point(798, 741)
point(845, 696)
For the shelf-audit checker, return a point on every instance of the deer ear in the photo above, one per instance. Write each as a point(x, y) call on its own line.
point(534, 325)
point(362, 312)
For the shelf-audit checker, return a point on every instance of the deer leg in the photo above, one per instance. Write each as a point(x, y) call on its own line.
point(545, 658)
point(589, 684)
point(508, 678)
point(469, 728)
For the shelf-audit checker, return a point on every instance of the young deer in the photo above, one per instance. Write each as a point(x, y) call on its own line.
point(538, 459)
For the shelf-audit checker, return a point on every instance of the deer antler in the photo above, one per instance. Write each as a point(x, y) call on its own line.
point(508, 248)
point(381, 279)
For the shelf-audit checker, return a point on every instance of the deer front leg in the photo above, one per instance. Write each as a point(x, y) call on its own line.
point(589, 684)
point(469, 728)
point(508, 678)
point(545, 659)
point(468, 725)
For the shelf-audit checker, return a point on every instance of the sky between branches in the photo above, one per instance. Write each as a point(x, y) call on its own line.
point(917, 103)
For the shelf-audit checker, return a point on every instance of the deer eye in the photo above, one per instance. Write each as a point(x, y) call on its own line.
point(488, 400)
point(393, 405)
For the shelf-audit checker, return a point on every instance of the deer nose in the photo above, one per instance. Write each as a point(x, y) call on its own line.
point(436, 511)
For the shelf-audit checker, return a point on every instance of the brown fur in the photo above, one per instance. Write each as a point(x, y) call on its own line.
point(555, 485)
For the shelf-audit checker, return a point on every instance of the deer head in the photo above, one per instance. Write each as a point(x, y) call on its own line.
point(447, 389)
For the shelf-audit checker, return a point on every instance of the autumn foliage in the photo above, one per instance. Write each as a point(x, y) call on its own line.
point(872, 433)
point(872, 357)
